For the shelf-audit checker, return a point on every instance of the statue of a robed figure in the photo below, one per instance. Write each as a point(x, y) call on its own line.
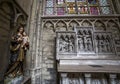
point(19, 46)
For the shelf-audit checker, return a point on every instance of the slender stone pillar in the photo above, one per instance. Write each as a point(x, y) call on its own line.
point(104, 80)
point(112, 79)
point(88, 78)
point(81, 80)
point(64, 79)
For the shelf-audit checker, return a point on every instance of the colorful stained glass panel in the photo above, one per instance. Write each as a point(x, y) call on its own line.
point(105, 10)
point(49, 11)
point(103, 2)
point(60, 11)
point(83, 10)
point(94, 10)
point(70, 0)
point(49, 3)
point(81, 0)
point(92, 2)
point(60, 1)
point(71, 10)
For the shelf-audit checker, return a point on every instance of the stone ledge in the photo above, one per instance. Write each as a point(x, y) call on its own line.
point(81, 16)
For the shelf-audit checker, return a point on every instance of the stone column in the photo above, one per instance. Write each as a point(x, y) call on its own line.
point(112, 79)
point(104, 80)
point(64, 79)
point(81, 80)
point(88, 78)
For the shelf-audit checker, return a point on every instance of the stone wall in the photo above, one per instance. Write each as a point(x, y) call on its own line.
point(25, 5)
point(5, 18)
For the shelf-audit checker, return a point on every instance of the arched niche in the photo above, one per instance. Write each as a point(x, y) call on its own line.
point(99, 25)
point(112, 23)
point(86, 23)
point(48, 28)
point(114, 28)
point(20, 19)
point(61, 26)
point(73, 24)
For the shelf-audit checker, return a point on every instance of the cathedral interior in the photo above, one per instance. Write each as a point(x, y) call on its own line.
point(59, 42)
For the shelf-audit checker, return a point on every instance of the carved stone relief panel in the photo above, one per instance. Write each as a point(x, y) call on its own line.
point(66, 42)
point(85, 39)
point(104, 43)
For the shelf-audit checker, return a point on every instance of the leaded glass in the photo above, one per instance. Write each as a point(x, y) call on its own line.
point(61, 7)
point(49, 11)
point(105, 10)
point(60, 1)
point(70, 0)
point(81, 0)
point(71, 8)
point(92, 2)
point(94, 10)
point(83, 10)
point(103, 2)
point(60, 11)
point(49, 3)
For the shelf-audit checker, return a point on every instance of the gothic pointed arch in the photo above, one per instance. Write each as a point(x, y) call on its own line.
point(99, 25)
point(86, 23)
point(20, 19)
point(111, 23)
point(73, 24)
point(49, 27)
point(61, 26)
point(114, 27)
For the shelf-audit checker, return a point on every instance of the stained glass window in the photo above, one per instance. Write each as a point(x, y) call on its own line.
point(63, 7)
point(71, 8)
point(94, 10)
point(49, 7)
point(103, 2)
point(60, 11)
point(104, 6)
point(83, 10)
point(105, 10)
point(92, 2)
point(81, 0)
point(82, 6)
point(60, 1)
